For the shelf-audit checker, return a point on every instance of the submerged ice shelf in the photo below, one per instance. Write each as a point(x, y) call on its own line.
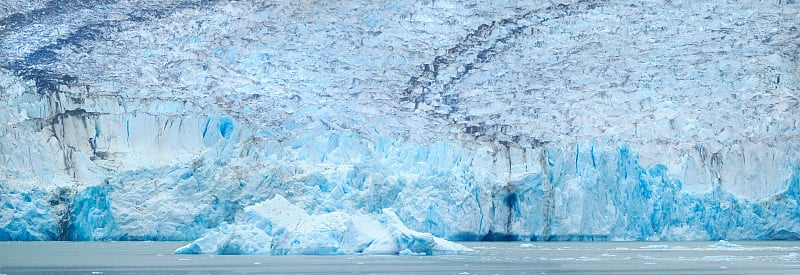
point(581, 120)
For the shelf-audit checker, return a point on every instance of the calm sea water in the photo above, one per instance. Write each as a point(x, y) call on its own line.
point(488, 258)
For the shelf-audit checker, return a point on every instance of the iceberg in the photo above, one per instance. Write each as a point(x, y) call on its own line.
point(278, 227)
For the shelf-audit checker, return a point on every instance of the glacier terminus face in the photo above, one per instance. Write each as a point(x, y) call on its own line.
point(395, 126)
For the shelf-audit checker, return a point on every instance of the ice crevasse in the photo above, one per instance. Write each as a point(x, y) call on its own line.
point(398, 127)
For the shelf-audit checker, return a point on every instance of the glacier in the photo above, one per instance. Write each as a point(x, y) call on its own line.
point(466, 120)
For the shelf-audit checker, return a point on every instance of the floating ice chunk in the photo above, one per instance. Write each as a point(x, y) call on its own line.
point(278, 227)
point(720, 258)
point(794, 257)
point(656, 246)
point(724, 244)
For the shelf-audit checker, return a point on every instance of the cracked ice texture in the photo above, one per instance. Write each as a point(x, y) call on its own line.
point(567, 120)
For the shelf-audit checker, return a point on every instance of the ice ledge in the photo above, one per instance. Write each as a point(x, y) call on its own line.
point(278, 227)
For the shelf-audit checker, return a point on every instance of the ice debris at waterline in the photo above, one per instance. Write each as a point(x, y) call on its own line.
point(278, 227)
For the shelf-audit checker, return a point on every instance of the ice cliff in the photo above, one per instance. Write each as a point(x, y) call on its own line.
point(468, 120)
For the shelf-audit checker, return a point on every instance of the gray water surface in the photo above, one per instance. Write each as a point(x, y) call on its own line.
point(488, 258)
